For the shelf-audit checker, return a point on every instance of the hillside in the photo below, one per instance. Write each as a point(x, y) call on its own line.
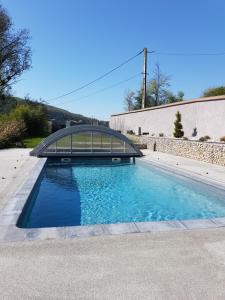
point(62, 115)
point(54, 113)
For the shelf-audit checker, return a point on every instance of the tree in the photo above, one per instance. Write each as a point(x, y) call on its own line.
point(158, 87)
point(158, 92)
point(178, 132)
point(138, 99)
point(215, 91)
point(15, 54)
point(11, 131)
point(171, 98)
point(129, 100)
point(34, 116)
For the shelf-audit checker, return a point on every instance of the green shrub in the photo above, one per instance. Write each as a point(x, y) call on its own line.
point(222, 139)
point(11, 131)
point(204, 138)
point(214, 91)
point(34, 117)
point(178, 132)
point(130, 132)
point(161, 134)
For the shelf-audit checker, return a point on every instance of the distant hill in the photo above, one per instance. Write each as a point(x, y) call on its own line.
point(62, 115)
point(58, 115)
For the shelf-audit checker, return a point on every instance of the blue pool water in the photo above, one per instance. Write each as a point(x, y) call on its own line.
point(67, 195)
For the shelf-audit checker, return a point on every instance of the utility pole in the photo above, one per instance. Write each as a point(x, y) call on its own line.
point(143, 104)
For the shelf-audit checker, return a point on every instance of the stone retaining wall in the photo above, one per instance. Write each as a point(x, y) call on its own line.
point(204, 151)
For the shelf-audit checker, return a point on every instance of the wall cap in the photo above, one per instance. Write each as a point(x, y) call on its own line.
point(185, 102)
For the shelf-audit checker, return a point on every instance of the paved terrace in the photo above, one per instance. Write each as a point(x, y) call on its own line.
point(214, 174)
point(186, 264)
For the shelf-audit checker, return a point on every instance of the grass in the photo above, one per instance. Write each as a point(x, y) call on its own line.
point(32, 142)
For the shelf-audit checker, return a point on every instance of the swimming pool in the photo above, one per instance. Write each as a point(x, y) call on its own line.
point(104, 193)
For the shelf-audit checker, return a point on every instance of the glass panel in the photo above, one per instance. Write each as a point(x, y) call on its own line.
point(101, 142)
point(81, 142)
point(97, 142)
point(106, 143)
point(90, 142)
point(129, 149)
point(63, 145)
point(117, 145)
point(51, 148)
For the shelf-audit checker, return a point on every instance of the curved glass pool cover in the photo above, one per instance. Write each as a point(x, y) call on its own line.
point(86, 140)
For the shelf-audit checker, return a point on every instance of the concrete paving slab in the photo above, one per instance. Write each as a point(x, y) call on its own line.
point(163, 265)
point(15, 168)
point(206, 171)
point(180, 264)
point(160, 226)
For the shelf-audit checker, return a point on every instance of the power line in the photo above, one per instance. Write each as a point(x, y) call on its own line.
point(98, 78)
point(189, 54)
point(102, 90)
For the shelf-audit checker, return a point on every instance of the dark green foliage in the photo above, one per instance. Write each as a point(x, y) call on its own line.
point(130, 132)
point(216, 91)
point(62, 115)
point(158, 92)
point(34, 116)
point(7, 103)
point(171, 98)
point(178, 132)
point(15, 53)
point(138, 100)
point(204, 138)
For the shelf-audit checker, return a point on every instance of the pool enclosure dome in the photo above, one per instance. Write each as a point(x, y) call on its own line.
point(86, 140)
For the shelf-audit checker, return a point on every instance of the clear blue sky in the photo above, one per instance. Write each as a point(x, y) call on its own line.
point(75, 41)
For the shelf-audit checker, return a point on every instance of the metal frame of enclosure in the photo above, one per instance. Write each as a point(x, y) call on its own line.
point(86, 140)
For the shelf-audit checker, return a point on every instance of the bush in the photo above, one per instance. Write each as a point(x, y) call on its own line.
point(222, 139)
point(185, 138)
point(161, 134)
point(11, 131)
point(215, 91)
point(141, 146)
point(34, 117)
point(130, 132)
point(204, 138)
point(178, 132)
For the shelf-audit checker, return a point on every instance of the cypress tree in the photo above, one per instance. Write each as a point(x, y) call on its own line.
point(178, 132)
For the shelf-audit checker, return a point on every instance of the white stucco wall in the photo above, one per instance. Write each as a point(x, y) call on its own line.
point(207, 115)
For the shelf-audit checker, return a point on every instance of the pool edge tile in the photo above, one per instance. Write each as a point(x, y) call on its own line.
point(84, 231)
point(199, 224)
point(160, 226)
point(219, 221)
point(121, 228)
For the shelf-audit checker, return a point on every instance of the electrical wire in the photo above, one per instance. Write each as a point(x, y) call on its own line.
point(189, 54)
point(98, 78)
point(102, 90)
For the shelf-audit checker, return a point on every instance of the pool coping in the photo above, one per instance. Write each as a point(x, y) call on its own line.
point(9, 216)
